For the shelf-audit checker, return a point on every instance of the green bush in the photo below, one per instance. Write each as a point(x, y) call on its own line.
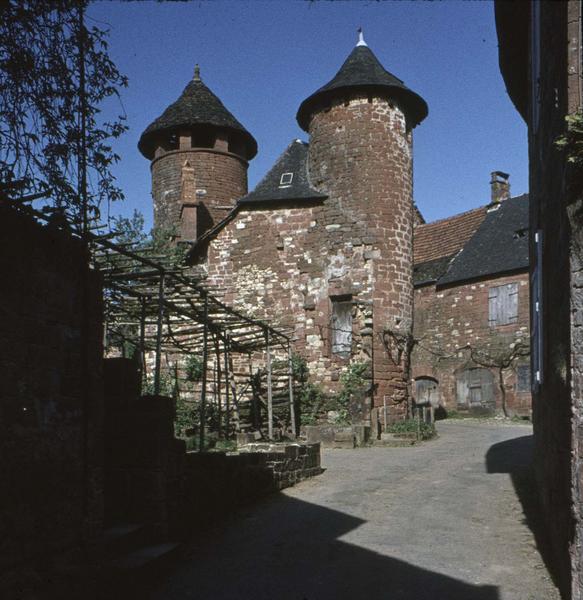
point(426, 431)
point(193, 367)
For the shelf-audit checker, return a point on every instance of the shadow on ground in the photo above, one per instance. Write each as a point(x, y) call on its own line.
point(289, 549)
point(515, 457)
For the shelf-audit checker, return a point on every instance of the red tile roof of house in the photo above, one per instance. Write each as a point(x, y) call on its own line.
point(446, 236)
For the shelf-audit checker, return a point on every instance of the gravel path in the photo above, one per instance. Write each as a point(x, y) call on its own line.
point(441, 520)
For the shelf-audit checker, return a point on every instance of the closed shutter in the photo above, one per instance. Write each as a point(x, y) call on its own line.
point(493, 306)
point(463, 389)
point(503, 304)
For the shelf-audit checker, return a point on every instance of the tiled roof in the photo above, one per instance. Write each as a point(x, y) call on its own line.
point(430, 271)
point(446, 236)
point(287, 179)
point(499, 245)
point(362, 70)
point(197, 105)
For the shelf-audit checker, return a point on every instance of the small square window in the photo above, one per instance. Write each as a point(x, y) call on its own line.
point(286, 179)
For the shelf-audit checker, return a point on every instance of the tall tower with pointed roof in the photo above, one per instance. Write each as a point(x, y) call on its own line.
point(360, 126)
point(199, 155)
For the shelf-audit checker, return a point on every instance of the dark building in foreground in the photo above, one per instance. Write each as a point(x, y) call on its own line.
point(540, 59)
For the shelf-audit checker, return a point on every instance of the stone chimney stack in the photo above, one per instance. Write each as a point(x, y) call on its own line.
point(499, 186)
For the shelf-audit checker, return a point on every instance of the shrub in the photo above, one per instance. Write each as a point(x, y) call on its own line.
point(426, 431)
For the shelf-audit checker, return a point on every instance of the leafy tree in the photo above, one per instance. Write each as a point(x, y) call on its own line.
point(54, 74)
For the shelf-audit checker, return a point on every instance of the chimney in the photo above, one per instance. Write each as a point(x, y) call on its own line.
point(189, 205)
point(499, 186)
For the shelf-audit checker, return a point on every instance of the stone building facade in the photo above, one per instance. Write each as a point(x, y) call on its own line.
point(471, 312)
point(541, 61)
point(324, 245)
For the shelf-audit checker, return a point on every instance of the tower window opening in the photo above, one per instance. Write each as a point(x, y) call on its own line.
point(173, 142)
point(341, 326)
point(286, 179)
point(203, 139)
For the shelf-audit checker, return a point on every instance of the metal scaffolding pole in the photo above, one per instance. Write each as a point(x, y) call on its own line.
point(269, 388)
point(204, 369)
point(143, 336)
point(227, 395)
point(292, 411)
point(218, 387)
point(159, 335)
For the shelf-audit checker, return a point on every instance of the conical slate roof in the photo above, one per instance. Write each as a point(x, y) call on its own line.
point(197, 105)
point(362, 70)
point(287, 179)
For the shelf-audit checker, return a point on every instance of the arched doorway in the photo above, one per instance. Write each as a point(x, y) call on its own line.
point(426, 391)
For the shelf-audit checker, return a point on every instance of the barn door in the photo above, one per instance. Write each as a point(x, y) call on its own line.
point(474, 388)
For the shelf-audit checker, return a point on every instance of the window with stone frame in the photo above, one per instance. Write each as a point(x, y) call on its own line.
point(503, 304)
point(341, 326)
point(523, 378)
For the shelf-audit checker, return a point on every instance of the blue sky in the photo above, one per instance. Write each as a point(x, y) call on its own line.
point(263, 58)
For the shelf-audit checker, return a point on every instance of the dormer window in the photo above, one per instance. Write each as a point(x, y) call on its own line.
point(286, 179)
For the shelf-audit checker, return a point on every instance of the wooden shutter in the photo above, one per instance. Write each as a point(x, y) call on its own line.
point(493, 306)
point(463, 389)
point(512, 302)
point(503, 304)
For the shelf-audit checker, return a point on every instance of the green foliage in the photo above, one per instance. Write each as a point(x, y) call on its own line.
point(314, 403)
point(130, 231)
point(167, 385)
point(354, 383)
point(310, 398)
point(572, 140)
point(193, 368)
point(40, 102)
point(426, 431)
point(186, 418)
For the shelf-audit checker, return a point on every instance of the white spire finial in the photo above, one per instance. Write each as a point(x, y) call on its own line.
point(361, 41)
point(196, 72)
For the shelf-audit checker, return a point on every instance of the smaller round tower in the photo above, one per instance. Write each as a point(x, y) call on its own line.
point(199, 156)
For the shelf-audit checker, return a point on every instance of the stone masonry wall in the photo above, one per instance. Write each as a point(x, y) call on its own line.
point(556, 212)
point(447, 319)
point(51, 395)
point(222, 175)
point(361, 155)
point(287, 263)
point(282, 264)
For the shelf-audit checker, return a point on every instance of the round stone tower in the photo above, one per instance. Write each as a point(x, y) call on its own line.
point(199, 155)
point(360, 155)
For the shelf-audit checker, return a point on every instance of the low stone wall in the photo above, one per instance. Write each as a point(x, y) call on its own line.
point(217, 483)
point(336, 436)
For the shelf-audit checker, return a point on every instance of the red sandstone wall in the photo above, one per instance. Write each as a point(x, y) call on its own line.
point(222, 175)
point(281, 265)
point(284, 264)
point(447, 319)
point(361, 155)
